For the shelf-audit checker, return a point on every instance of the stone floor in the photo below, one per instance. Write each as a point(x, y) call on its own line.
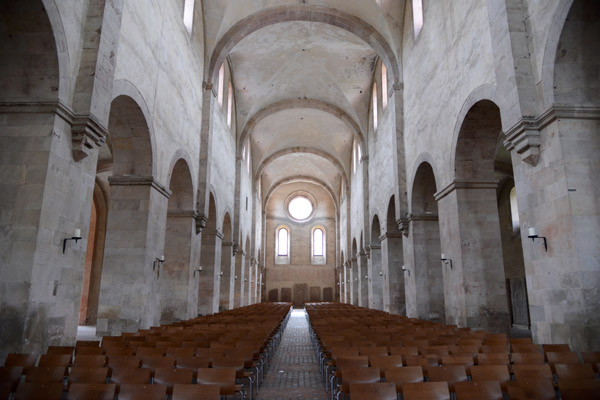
point(294, 370)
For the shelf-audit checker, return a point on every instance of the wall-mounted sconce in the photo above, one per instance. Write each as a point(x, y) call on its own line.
point(338, 284)
point(76, 236)
point(348, 280)
point(380, 273)
point(446, 260)
point(235, 278)
point(366, 277)
point(245, 279)
point(221, 273)
point(404, 269)
point(158, 261)
point(198, 270)
point(533, 235)
point(356, 280)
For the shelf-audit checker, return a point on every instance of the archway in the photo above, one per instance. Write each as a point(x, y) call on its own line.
point(177, 273)
point(392, 261)
point(376, 290)
point(210, 256)
point(226, 258)
point(424, 280)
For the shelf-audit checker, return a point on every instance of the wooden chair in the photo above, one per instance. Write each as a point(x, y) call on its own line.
point(576, 389)
point(39, 391)
point(87, 375)
point(574, 372)
point(493, 359)
point(556, 348)
point(178, 352)
point(90, 361)
point(498, 373)
point(566, 357)
point(171, 376)
point(591, 357)
point(373, 351)
point(132, 391)
point(46, 374)
point(402, 375)
point(86, 343)
point(61, 360)
point(498, 348)
point(358, 375)
point(196, 392)
point(128, 361)
point(158, 362)
point(6, 388)
point(224, 377)
point(150, 352)
point(12, 376)
point(118, 350)
point(426, 391)
point(450, 375)
point(239, 364)
point(60, 350)
point(532, 372)
point(91, 391)
point(465, 361)
point(483, 390)
point(21, 360)
point(372, 391)
point(386, 362)
point(533, 389)
point(122, 375)
point(520, 340)
point(424, 362)
point(89, 351)
point(526, 348)
point(192, 362)
point(527, 358)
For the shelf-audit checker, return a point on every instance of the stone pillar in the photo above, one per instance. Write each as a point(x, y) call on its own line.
point(177, 273)
point(134, 240)
point(375, 278)
point(393, 283)
point(558, 196)
point(474, 285)
point(344, 284)
point(225, 276)
point(355, 280)
point(237, 277)
point(46, 195)
point(209, 281)
point(363, 279)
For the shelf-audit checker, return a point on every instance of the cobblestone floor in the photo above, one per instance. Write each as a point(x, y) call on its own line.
point(294, 370)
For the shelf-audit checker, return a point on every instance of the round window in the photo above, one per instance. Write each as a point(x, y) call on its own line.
point(300, 208)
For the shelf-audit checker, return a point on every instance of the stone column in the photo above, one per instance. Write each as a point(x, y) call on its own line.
point(177, 272)
point(355, 283)
point(363, 279)
point(209, 281)
point(375, 278)
point(134, 240)
point(237, 277)
point(470, 236)
point(225, 275)
point(393, 282)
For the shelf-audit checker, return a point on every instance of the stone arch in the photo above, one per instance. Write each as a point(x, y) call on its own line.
point(179, 156)
point(301, 103)
point(303, 12)
point(308, 150)
point(176, 281)
point(424, 285)
point(551, 50)
point(309, 179)
point(375, 267)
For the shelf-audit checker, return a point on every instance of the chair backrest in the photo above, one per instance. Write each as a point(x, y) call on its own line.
point(171, 376)
point(426, 390)
point(132, 391)
point(556, 348)
point(89, 351)
point(224, 377)
point(494, 349)
point(498, 373)
point(465, 361)
point(372, 391)
point(128, 361)
point(373, 351)
point(39, 391)
point(51, 360)
point(86, 343)
point(526, 348)
point(577, 389)
point(150, 352)
point(178, 352)
point(484, 390)
point(158, 362)
point(355, 362)
point(45, 374)
point(577, 371)
point(591, 357)
point(60, 350)
point(386, 362)
point(196, 392)
point(359, 375)
point(88, 360)
point(21, 360)
point(402, 375)
point(451, 375)
point(11, 375)
point(493, 359)
point(88, 375)
point(527, 358)
point(192, 362)
point(537, 389)
point(121, 375)
point(532, 372)
point(91, 391)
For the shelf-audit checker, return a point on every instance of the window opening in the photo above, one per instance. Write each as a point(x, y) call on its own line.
point(384, 87)
point(417, 8)
point(374, 106)
point(300, 208)
point(221, 82)
point(188, 15)
point(514, 210)
point(229, 104)
point(282, 242)
point(318, 242)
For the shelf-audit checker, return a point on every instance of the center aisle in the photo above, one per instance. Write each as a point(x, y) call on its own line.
point(294, 371)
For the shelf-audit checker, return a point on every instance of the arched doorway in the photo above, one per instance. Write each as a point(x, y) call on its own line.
point(226, 258)
point(392, 261)
point(210, 259)
point(424, 278)
point(376, 275)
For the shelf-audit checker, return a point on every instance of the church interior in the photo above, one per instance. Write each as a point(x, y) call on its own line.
point(165, 161)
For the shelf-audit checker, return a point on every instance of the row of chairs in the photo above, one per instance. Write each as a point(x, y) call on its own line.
point(436, 361)
point(176, 358)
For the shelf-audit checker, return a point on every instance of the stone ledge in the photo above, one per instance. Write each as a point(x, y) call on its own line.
point(137, 180)
point(463, 184)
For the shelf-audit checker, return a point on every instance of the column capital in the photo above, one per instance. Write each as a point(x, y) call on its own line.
point(138, 180)
point(465, 184)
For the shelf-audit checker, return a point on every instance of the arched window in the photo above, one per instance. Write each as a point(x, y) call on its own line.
point(229, 104)
point(417, 9)
point(384, 86)
point(514, 210)
point(318, 242)
point(221, 83)
point(282, 242)
point(374, 106)
point(188, 15)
